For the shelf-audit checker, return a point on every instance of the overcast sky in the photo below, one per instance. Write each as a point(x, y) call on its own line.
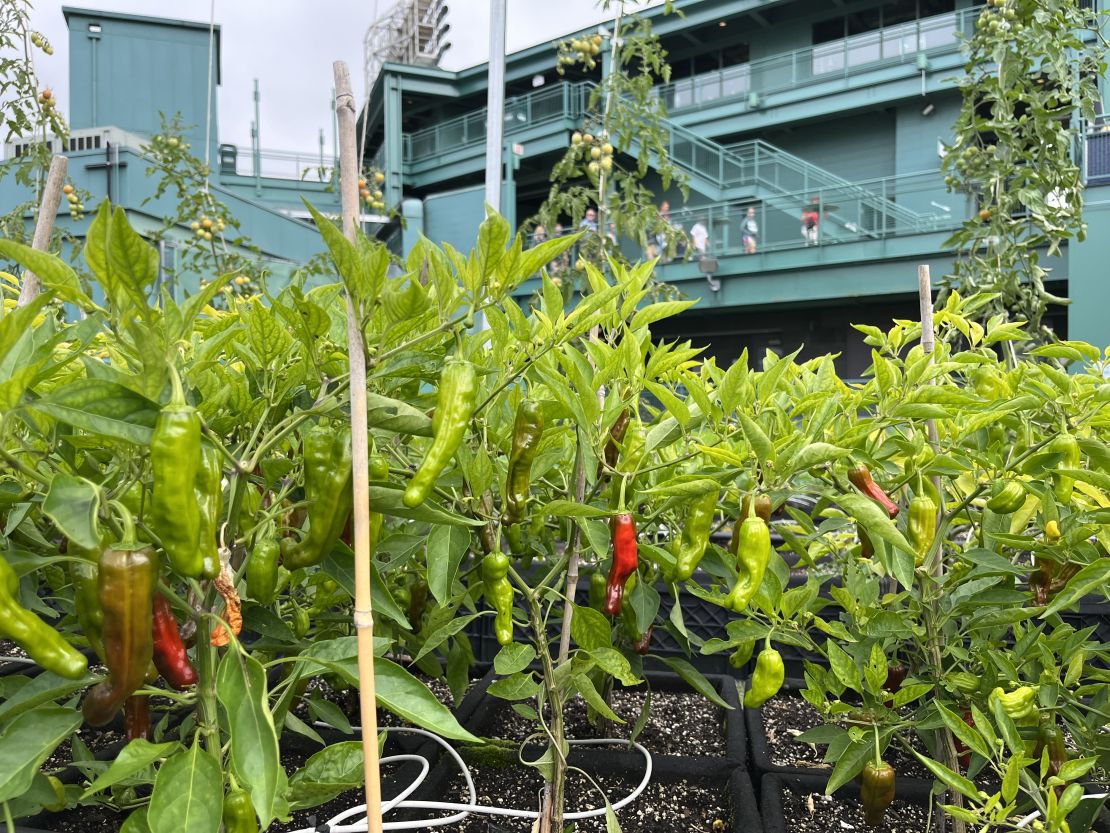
point(289, 45)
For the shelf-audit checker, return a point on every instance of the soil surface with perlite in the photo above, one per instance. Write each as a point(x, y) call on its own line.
point(820, 813)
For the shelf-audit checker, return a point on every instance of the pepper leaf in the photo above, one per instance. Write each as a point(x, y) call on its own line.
point(874, 520)
point(849, 764)
point(696, 680)
point(188, 794)
point(27, 741)
point(132, 759)
point(72, 504)
point(241, 690)
point(446, 547)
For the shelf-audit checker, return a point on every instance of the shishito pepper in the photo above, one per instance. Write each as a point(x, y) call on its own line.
point(753, 554)
point(175, 459)
point(876, 791)
point(626, 559)
point(379, 472)
point(597, 590)
point(209, 492)
point(455, 403)
point(128, 573)
point(921, 525)
point(238, 812)
point(1071, 457)
point(743, 654)
point(327, 488)
point(136, 717)
point(262, 569)
point(418, 601)
point(86, 600)
point(499, 594)
point(860, 477)
point(611, 453)
point(767, 679)
point(527, 432)
point(692, 544)
point(762, 509)
point(1007, 497)
point(1051, 739)
point(170, 656)
point(39, 640)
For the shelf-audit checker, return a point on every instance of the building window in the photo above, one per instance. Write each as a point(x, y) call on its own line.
point(892, 30)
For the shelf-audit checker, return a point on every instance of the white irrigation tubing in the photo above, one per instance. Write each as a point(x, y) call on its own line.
point(24, 660)
point(463, 810)
point(1029, 819)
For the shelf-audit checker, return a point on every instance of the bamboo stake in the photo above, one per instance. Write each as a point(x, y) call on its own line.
point(44, 226)
point(936, 568)
point(360, 453)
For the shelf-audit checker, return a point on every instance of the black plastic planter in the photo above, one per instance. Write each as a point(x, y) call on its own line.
point(761, 763)
point(483, 716)
point(771, 808)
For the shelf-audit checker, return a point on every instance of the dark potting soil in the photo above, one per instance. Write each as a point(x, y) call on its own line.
point(786, 716)
point(10, 649)
point(674, 807)
point(97, 740)
point(679, 723)
point(92, 818)
point(819, 813)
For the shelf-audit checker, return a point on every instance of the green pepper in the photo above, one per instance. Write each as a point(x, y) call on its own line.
point(175, 459)
point(1020, 705)
point(499, 594)
point(41, 642)
point(239, 815)
point(1050, 740)
point(638, 640)
point(876, 791)
point(327, 488)
point(963, 681)
point(743, 654)
point(753, 556)
point(209, 492)
point(455, 403)
point(767, 679)
point(763, 509)
point(921, 526)
point(418, 601)
point(86, 600)
point(300, 620)
point(128, 575)
point(379, 472)
point(691, 546)
point(597, 589)
point(527, 432)
point(1071, 458)
point(1007, 497)
point(262, 569)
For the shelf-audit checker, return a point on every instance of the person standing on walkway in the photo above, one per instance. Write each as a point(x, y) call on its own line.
point(811, 217)
point(699, 237)
point(749, 231)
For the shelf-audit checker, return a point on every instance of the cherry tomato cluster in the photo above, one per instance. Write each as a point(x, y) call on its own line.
point(39, 40)
point(597, 149)
point(76, 207)
point(369, 188)
point(1000, 22)
point(206, 227)
point(579, 51)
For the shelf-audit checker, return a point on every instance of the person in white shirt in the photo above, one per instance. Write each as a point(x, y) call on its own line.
point(749, 231)
point(699, 237)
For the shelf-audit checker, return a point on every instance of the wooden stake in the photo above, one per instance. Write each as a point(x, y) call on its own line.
point(360, 452)
point(44, 226)
point(928, 342)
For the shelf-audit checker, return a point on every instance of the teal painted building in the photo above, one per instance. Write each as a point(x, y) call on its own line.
point(772, 104)
point(124, 72)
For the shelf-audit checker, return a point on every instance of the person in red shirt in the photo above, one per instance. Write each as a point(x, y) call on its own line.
point(811, 218)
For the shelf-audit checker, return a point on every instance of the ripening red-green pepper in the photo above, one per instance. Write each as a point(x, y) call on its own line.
point(175, 460)
point(753, 555)
point(455, 404)
point(136, 717)
point(1067, 446)
point(1051, 739)
point(327, 489)
point(238, 813)
point(767, 679)
point(209, 492)
point(611, 453)
point(262, 569)
point(876, 791)
point(128, 575)
point(860, 477)
point(499, 594)
point(527, 433)
point(692, 544)
point(626, 559)
point(921, 526)
point(40, 641)
point(170, 656)
point(1007, 497)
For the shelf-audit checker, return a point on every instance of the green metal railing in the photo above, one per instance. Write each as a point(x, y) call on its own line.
point(566, 100)
point(837, 59)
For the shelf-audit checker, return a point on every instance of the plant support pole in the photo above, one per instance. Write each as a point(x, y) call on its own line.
point(360, 453)
point(936, 568)
point(44, 226)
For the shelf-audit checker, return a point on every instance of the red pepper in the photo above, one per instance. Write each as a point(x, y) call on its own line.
point(643, 644)
point(860, 477)
point(625, 561)
point(136, 717)
point(962, 751)
point(170, 656)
